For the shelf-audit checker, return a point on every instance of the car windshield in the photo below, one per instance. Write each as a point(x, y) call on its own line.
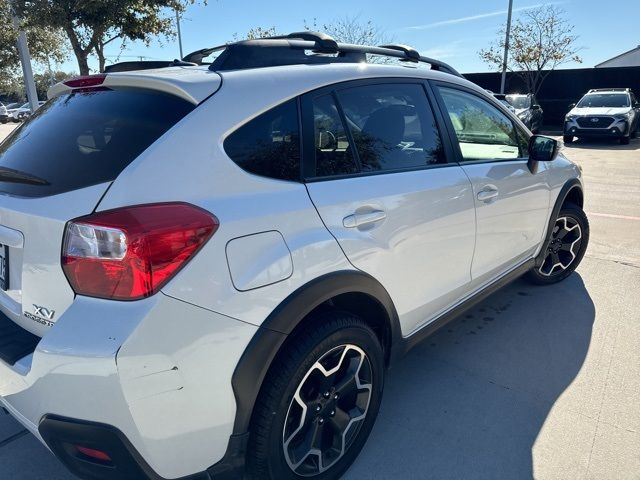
point(507, 104)
point(519, 101)
point(610, 100)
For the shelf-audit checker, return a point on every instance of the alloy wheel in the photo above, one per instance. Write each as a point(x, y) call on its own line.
point(327, 410)
point(563, 248)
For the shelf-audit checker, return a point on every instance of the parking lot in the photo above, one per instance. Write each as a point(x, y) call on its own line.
point(535, 382)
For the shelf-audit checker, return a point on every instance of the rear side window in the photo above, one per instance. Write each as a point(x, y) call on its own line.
point(83, 139)
point(269, 145)
point(333, 152)
point(392, 126)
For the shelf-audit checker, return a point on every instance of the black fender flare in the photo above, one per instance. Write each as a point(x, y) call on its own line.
point(570, 185)
point(257, 358)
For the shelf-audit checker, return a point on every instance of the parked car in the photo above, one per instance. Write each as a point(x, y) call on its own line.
point(208, 268)
point(4, 116)
point(501, 97)
point(528, 110)
point(609, 112)
point(22, 112)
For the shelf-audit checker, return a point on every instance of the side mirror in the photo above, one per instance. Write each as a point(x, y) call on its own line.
point(572, 106)
point(543, 149)
point(535, 107)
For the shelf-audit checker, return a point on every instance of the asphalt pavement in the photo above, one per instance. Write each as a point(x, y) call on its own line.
point(535, 382)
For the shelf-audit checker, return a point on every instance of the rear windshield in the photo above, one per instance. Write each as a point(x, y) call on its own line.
point(83, 139)
point(610, 100)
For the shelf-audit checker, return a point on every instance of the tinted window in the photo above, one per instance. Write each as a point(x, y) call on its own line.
point(483, 131)
point(610, 100)
point(333, 152)
point(269, 145)
point(84, 139)
point(392, 126)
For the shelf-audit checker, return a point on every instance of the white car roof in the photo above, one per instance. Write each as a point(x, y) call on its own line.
point(196, 83)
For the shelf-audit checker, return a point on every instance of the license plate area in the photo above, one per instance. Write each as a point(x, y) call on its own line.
point(4, 267)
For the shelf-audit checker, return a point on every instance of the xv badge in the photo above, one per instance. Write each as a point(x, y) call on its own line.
point(44, 312)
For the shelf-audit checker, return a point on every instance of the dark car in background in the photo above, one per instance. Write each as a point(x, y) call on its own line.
point(527, 109)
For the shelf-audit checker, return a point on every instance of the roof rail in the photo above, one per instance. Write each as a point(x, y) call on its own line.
point(292, 49)
point(146, 65)
point(593, 90)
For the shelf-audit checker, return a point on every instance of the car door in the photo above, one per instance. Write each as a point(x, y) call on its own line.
point(376, 169)
point(512, 200)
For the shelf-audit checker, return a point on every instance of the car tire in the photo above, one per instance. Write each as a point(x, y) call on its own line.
point(284, 433)
point(567, 245)
point(624, 140)
point(567, 138)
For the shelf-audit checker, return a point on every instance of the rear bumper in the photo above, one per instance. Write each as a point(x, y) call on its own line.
point(154, 374)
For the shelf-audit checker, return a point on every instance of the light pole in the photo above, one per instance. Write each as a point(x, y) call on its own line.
point(179, 33)
point(25, 60)
point(506, 48)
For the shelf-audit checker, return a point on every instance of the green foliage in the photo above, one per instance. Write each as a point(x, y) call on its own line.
point(541, 39)
point(45, 45)
point(46, 79)
point(91, 25)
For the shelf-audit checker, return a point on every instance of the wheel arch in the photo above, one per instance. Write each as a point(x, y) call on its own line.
point(345, 290)
point(571, 192)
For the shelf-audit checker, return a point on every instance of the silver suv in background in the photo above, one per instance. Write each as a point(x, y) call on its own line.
point(608, 112)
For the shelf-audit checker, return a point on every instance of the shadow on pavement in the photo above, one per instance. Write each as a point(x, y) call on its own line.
point(470, 401)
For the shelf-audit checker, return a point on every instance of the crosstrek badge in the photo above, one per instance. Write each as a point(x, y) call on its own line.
point(41, 315)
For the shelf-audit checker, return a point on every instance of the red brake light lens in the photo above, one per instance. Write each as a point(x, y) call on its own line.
point(93, 453)
point(130, 253)
point(86, 81)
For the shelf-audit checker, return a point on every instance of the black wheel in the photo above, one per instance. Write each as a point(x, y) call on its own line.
point(569, 240)
point(319, 402)
point(624, 140)
point(567, 138)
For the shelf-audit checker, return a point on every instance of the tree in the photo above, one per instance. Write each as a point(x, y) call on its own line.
point(46, 79)
point(256, 33)
point(351, 30)
point(541, 39)
point(91, 25)
point(45, 45)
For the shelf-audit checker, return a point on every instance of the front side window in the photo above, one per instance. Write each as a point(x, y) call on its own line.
point(392, 126)
point(269, 145)
point(483, 131)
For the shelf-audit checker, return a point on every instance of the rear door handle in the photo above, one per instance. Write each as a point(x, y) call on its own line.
point(356, 220)
point(487, 193)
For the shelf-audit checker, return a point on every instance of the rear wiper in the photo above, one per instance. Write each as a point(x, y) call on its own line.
point(16, 176)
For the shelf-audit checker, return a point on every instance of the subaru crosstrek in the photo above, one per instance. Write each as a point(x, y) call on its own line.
point(608, 112)
point(207, 268)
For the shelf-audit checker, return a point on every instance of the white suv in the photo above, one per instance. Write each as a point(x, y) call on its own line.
point(604, 112)
point(207, 269)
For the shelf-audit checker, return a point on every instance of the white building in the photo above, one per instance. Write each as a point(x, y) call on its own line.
point(626, 59)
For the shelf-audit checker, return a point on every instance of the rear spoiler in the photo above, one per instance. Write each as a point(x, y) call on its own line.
point(191, 91)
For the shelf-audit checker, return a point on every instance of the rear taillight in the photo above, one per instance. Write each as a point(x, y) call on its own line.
point(130, 253)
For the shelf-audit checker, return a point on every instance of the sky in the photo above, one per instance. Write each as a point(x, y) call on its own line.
point(452, 30)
